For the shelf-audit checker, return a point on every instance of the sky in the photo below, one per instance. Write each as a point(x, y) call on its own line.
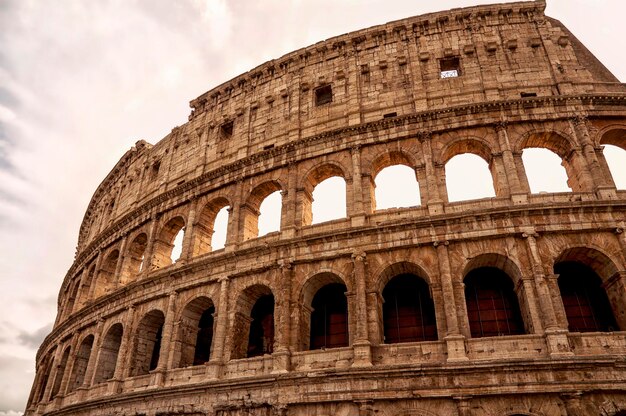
point(81, 81)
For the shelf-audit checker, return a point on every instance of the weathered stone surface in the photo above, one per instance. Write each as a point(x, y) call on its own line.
point(522, 80)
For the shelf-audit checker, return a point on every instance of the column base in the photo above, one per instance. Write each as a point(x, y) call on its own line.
point(606, 192)
point(357, 220)
point(558, 343)
point(455, 345)
point(519, 199)
point(157, 378)
point(435, 208)
point(214, 369)
point(114, 386)
point(362, 354)
point(281, 361)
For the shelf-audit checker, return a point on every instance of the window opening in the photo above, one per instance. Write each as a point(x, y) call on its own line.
point(226, 129)
point(156, 350)
point(261, 338)
point(492, 306)
point(396, 187)
point(528, 94)
point(220, 229)
point(545, 171)
point(323, 95)
point(269, 213)
point(329, 200)
point(468, 177)
point(155, 170)
point(390, 115)
point(616, 159)
point(177, 248)
point(202, 352)
point(329, 318)
point(450, 67)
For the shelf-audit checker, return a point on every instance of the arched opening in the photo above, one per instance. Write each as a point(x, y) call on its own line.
point(108, 354)
point(492, 306)
point(106, 276)
point(147, 346)
point(329, 200)
point(408, 310)
point(71, 301)
point(254, 323)
point(58, 379)
point(329, 317)
point(195, 333)
point(616, 160)
point(586, 304)
point(468, 177)
point(168, 245)
point(210, 229)
point(134, 258)
point(80, 363)
point(262, 211)
point(86, 282)
point(396, 187)
point(545, 171)
point(49, 361)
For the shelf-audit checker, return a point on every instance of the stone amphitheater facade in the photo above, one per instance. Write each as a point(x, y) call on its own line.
point(511, 305)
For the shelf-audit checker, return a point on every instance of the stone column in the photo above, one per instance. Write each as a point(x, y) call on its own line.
point(54, 368)
point(94, 279)
point(573, 403)
point(499, 174)
point(366, 407)
point(69, 365)
point(187, 249)
point(152, 236)
point(601, 184)
point(463, 405)
point(166, 342)
point(282, 355)
point(124, 355)
point(435, 199)
point(556, 338)
point(510, 167)
point(528, 294)
point(455, 341)
point(521, 172)
point(217, 349)
point(361, 344)
point(356, 210)
point(288, 211)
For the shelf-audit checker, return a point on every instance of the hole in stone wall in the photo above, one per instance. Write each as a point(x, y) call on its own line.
point(616, 159)
point(178, 245)
point(329, 200)
point(468, 177)
point(220, 228)
point(396, 187)
point(323, 95)
point(544, 171)
point(226, 129)
point(269, 213)
point(528, 94)
point(450, 67)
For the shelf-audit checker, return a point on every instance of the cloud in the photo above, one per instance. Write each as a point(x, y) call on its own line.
point(34, 339)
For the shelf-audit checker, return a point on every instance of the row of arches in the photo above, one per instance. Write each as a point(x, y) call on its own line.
point(327, 185)
point(409, 312)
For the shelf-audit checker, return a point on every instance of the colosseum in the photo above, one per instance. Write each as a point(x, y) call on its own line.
point(504, 305)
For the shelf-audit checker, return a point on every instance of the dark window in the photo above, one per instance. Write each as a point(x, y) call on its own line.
point(586, 304)
point(492, 307)
point(204, 338)
point(329, 318)
point(226, 130)
point(390, 115)
point(408, 311)
point(528, 94)
point(156, 350)
point(450, 67)
point(155, 170)
point(261, 339)
point(323, 95)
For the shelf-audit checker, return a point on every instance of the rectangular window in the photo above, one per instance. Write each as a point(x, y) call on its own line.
point(323, 95)
point(226, 130)
point(450, 67)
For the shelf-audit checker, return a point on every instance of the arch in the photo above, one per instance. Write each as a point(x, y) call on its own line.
point(147, 345)
point(319, 176)
point(460, 187)
point(48, 363)
point(106, 275)
point(251, 209)
point(195, 332)
point(254, 322)
point(109, 350)
point(164, 243)
point(408, 310)
point(497, 260)
point(135, 258)
point(328, 201)
point(324, 296)
point(492, 306)
point(81, 360)
point(86, 282)
point(545, 170)
point(591, 299)
point(73, 296)
point(60, 375)
point(391, 158)
point(396, 186)
point(613, 141)
point(464, 145)
point(205, 225)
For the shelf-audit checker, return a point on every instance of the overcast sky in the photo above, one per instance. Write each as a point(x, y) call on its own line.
point(82, 81)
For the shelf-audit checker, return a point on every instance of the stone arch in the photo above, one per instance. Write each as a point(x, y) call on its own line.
point(72, 296)
point(591, 286)
point(389, 271)
point(408, 311)
point(47, 365)
point(109, 350)
point(253, 322)
point(564, 147)
point(106, 281)
point(164, 243)
point(60, 374)
point(251, 209)
point(81, 360)
point(195, 333)
point(134, 261)
point(147, 343)
point(86, 282)
point(311, 180)
point(324, 319)
point(473, 146)
point(491, 299)
point(204, 227)
point(612, 163)
point(392, 159)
